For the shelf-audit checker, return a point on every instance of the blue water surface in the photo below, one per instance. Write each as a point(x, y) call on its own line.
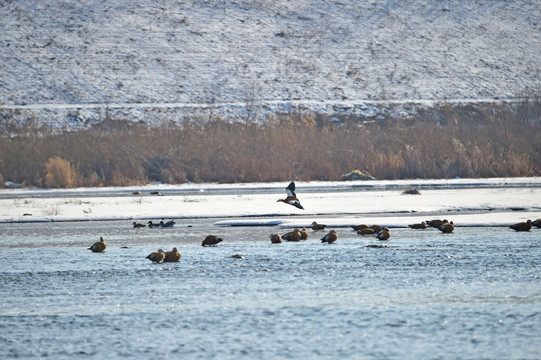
point(473, 294)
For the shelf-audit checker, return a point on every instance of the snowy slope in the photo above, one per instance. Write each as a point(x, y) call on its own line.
point(153, 61)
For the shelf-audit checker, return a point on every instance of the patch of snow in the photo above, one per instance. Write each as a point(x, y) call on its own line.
point(71, 64)
point(469, 201)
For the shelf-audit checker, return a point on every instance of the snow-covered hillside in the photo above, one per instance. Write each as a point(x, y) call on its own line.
point(73, 62)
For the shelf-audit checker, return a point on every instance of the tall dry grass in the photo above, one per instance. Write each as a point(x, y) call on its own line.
point(444, 142)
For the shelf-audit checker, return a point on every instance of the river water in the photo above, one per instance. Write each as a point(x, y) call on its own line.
point(473, 294)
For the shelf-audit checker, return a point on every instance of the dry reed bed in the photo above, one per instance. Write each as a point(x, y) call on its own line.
point(443, 142)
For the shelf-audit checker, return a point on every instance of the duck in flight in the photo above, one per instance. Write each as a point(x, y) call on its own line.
point(291, 198)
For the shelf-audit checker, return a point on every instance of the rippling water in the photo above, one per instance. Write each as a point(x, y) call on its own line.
point(472, 294)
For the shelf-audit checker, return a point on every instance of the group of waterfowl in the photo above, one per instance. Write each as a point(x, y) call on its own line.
point(381, 233)
point(151, 225)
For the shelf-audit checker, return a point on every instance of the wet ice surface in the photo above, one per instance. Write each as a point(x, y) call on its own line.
point(472, 294)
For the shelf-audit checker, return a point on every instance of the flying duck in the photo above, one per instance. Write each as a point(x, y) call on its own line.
point(156, 256)
point(211, 240)
point(98, 246)
point(172, 256)
point(291, 198)
point(522, 226)
point(330, 237)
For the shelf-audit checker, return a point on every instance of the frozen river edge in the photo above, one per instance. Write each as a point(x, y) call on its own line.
point(468, 202)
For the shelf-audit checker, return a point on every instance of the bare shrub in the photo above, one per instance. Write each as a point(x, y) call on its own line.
point(60, 173)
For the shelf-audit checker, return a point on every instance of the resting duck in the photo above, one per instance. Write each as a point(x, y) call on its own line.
point(359, 227)
point(172, 256)
point(366, 231)
point(316, 226)
point(294, 235)
point(138, 225)
point(330, 237)
point(418, 226)
point(304, 234)
point(168, 224)
point(522, 226)
point(384, 234)
point(537, 223)
point(276, 238)
point(156, 256)
point(447, 228)
point(436, 223)
point(291, 198)
point(211, 240)
point(151, 225)
point(98, 246)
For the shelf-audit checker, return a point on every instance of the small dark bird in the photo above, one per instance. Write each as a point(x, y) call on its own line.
point(156, 256)
point(98, 246)
point(172, 256)
point(291, 198)
point(211, 240)
point(330, 237)
point(537, 223)
point(136, 193)
point(159, 193)
point(276, 238)
point(152, 225)
point(138, 225)
point(168, 224)
point(447, 227)
point(522, 226)
point(316, 226)
point(418, 226)
point(411, 192)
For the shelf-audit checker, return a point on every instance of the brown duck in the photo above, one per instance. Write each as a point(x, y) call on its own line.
point(522, 226)
point(291, 198)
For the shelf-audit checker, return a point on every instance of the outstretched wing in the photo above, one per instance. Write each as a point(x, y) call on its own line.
point(290, 190)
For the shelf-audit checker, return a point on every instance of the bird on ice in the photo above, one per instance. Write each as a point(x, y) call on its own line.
point(291, 198)
point(330, 237)
point(98, 246)
point(172, 256)
point(156, 256)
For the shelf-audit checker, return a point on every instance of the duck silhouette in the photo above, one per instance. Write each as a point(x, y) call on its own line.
point(98, 246)
point(172, 256)
point(211, 240)
point(330, 237)
point(291, 198)
point(156, 256)
point(522, 226)
point(316, 226)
